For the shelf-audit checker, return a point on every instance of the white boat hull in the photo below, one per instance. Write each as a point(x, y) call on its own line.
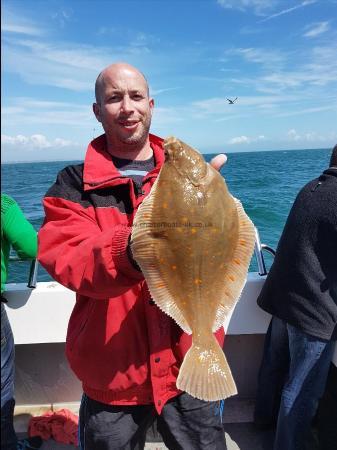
point(39, 319)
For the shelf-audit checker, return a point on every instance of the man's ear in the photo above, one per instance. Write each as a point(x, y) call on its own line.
point(151, 103)
point(97, 111)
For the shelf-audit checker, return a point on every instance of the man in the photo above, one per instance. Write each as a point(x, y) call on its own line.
point(301, 293)
point(18, 233)
point(126, 352)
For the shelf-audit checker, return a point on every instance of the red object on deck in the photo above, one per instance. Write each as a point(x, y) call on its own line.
point(62, 426)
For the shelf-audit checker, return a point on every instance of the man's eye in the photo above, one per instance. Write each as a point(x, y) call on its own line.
point(114, 98)
point(137, 97)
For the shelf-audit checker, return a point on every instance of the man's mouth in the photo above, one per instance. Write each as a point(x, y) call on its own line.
point(128, 123)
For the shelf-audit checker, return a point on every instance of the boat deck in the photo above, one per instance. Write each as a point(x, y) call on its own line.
point(241, 436)
point(240, 433)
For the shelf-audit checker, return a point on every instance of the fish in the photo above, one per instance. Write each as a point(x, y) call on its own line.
point(193, 242)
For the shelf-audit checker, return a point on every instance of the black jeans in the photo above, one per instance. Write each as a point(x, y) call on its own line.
point(185, 423)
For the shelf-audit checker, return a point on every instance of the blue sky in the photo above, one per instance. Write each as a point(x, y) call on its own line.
point(279, 57)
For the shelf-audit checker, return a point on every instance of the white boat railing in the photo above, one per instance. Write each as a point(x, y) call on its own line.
point(258, 253)
point(56, 302)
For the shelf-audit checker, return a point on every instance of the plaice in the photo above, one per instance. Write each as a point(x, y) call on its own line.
point(193, 242)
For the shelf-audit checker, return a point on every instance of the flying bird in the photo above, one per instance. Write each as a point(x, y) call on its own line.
point(231, 102)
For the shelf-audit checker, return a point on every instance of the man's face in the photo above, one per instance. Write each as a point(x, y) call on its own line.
point(124, 107)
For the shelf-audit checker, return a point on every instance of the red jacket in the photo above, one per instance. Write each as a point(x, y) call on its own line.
point(119, 343)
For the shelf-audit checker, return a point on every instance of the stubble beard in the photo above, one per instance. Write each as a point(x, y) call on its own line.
point(134, 142)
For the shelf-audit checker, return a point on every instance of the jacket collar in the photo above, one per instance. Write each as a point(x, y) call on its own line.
point(99, 170)
point(331, 171)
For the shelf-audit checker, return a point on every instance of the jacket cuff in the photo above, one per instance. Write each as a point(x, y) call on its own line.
point(122, 256)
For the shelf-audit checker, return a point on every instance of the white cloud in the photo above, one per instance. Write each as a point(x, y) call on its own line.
point(34, 142)
point(308, 111)
point(289, 10)
point(62, 16)
point(218, 105)
point(37, 112)
point(317, 68)
point(243, 5)
point(161, 91)
point(311, 137)
point(64, 64)
point(245, 139)
point(267, 58)
point(12, 23)
point(316, 29)
point(21, 29)
point(293, 136)
point(239, 140)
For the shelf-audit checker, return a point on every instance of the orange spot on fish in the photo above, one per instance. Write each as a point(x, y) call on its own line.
point(237, 261)
point(164, 205)
point(193, 230)
point(174, 267)
point(242, 242)
point(230, 277)
point(197, 281)
point(160, 285)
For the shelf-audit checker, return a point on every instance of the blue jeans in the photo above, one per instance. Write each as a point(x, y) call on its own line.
point(291, 381)
point(8, 436)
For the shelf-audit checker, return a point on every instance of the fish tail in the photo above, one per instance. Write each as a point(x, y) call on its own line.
point(205, 373)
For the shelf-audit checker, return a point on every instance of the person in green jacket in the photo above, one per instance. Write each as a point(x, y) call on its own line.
point(18, 233)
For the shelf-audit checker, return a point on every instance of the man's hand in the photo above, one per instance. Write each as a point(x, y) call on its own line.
point(218, 161)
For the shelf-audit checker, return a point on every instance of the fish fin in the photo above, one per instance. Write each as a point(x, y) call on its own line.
point(236, 272)
point(144, 251)
point(205, 373)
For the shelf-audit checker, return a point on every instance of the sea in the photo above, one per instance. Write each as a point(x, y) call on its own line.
point(266, 182)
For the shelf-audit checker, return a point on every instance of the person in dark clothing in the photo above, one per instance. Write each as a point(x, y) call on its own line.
point(300, 293)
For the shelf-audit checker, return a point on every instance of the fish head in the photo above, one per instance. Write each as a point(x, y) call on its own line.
point(187, 162)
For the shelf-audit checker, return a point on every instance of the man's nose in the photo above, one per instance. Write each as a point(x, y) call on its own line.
point(126, 104)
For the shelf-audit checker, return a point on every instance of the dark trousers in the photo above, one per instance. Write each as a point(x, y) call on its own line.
point(327, 413)
point(291, 381)
point(8, 436)
point(185, 423)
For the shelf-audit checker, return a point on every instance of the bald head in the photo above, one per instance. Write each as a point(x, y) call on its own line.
point(115, 70)
point(124, 109)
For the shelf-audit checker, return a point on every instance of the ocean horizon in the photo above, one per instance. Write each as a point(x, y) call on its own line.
point(203, 153)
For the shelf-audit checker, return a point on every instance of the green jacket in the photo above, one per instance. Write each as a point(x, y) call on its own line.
point(17, 232)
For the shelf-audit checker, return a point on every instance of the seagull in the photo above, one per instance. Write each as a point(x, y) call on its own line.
point(231, 102)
